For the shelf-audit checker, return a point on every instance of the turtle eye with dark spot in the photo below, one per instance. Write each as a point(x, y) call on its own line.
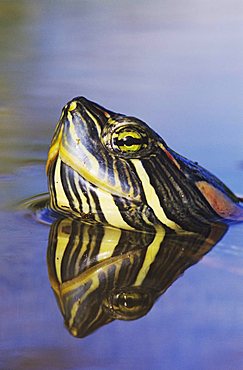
point(128, 140)
point(128, 305)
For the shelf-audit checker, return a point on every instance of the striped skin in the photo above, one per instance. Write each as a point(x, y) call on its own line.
point(100, 273)
point(116, 170)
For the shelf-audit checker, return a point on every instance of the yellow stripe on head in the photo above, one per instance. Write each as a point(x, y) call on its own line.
point(152, 197)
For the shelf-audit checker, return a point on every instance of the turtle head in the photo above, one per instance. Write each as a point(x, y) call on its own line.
point(95, 165)
point(97, 144)
point(115, 169)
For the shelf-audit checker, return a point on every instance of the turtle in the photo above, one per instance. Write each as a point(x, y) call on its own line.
point(114, 169)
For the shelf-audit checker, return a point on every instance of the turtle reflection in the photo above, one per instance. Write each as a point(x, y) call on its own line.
point(99, 273)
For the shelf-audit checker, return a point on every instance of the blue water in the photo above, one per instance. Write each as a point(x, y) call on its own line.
point(176, 65)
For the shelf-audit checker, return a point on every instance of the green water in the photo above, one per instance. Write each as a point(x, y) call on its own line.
point(176, 65)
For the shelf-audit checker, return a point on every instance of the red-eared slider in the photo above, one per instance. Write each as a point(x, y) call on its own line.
point(99, 273)
point(116, 170)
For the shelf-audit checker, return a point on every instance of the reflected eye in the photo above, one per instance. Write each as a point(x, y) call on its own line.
point(128, 305)
point(128, 140)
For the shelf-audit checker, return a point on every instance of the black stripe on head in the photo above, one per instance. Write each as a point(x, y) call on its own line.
point(136, 182)
point(90, 125)
point(66, 173)
point(132, 214)
point(97, 205)
point(83, 189)
point(75, 190)
point(180, 200)
point(120, 168)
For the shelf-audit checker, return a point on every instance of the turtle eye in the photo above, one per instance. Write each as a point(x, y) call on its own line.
point(128, 140)
point(128, 305)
